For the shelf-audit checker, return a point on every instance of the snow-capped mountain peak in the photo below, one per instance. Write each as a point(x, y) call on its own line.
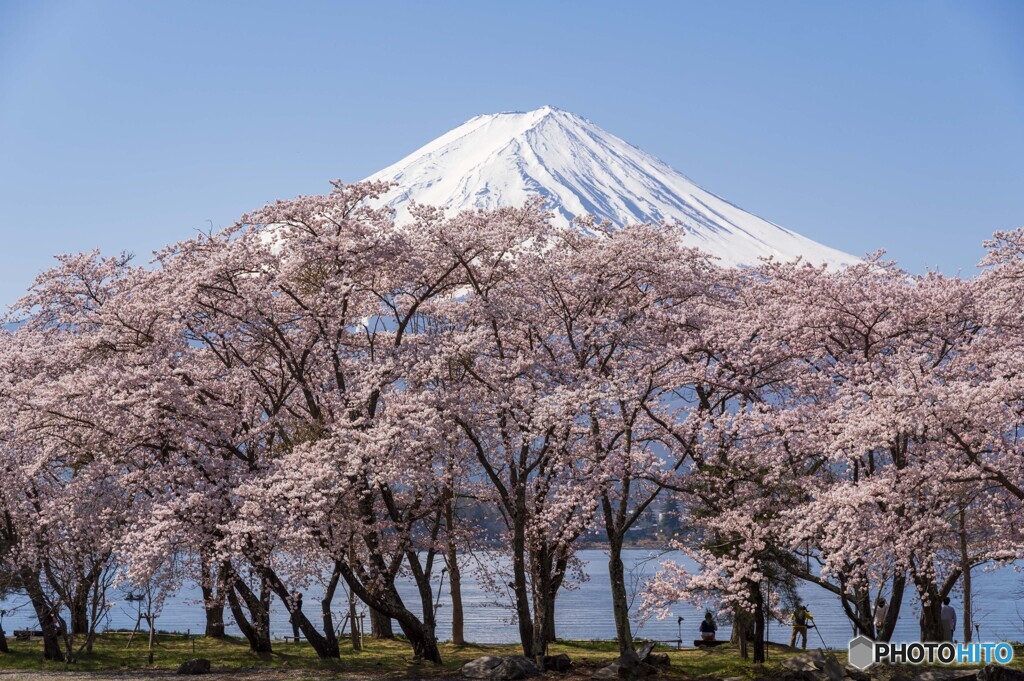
point(502, 159)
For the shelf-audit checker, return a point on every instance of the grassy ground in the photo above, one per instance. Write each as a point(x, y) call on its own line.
point(379, 659)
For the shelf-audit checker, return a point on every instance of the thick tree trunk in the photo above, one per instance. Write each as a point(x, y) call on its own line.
point(388, 602)
point(965, 567)
point(326, 646)
point(927, 590)
point(79, 608)
point(458, 616)
point(357, 642)
point(541, 583)
point(931, 621)
point(860, 614)
point(899, 584)
point(520, 586)
point(256, 631)
point(557, 578)
point(48, 618)
point(742, 633)
point(620, 598)
point(325, 608)
point(421, 575)
point(759, 644)
point(213, 599)
point(380, 625)
point(3, 641)
point(454, 577)
point(549, 621)
point(423, 640)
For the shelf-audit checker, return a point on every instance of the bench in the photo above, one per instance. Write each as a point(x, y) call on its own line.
point(707, 644)
point(26, 634)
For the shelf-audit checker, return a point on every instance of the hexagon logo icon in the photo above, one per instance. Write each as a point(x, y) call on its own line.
point(862, 652)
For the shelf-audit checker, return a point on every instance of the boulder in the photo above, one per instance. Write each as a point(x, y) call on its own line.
point(995, 672)
point(833, 669)
point(855, 674)
point(607, 673)
point(628, 666)
point(659, 659)
point(193, 667)
point(557, 663)
point(481, 667)
point(519, 667)
point(493, 668)
point(803, 663)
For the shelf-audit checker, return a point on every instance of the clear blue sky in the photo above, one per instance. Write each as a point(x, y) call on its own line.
point(864, 125)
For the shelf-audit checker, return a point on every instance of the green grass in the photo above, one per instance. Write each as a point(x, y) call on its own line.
point(378, 658)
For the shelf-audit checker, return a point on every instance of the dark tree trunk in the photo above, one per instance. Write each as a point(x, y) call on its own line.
point(899, 585)
point(742, 633)
point(423, 640)
point(3, 642)
point(257, 630)
point(965, 567)
point(458, 617)
point(927, 590)
point(859, 613)
point(421, 575)
point(542, 591)
point(325, 608)
point(79, 609)
point(519, 582)
point(213, 599)
point(76, 597)
point(454, 577)
point(388, 602)
point(380, 625)
point(931, 621)
point(759, 646)
point(549, 622)
point(326, 646)
point(48, 618)
point(620, 598)
point(557, 578)
point(357, 642)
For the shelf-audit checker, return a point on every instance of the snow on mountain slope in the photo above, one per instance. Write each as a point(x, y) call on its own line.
point(502, 159)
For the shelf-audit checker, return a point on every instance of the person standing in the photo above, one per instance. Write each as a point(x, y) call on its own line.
point(296, 610)
point(948, 617)
point(802, 618)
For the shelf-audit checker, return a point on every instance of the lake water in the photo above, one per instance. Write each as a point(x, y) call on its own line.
point(586, 612)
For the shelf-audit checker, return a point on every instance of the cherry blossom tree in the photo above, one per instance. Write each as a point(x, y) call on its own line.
point(306, 397)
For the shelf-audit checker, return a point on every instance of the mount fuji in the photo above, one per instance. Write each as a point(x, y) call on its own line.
point(502, 159)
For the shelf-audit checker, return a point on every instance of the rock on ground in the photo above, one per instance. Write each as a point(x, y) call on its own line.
point(628, 666)
point(508, 668)
point(557, 663)
point(994, 672)
point(806, 662)
point(193, 667)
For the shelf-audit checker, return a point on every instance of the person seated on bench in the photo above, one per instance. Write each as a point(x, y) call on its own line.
point(708, 628)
